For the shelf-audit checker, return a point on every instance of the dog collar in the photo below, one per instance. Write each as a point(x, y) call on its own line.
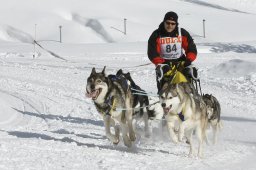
point(181, 116)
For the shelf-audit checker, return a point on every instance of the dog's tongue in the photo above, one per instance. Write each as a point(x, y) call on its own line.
point(94, 93)
point(88, 95)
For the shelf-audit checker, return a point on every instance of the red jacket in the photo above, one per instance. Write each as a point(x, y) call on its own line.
point(154, 47)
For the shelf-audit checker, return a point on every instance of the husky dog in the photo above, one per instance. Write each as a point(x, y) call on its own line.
point(113, 99)
point(190, 113)
point(140, 101)
point(213, 113)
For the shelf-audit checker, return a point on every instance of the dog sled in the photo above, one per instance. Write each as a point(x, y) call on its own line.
point(178, 74)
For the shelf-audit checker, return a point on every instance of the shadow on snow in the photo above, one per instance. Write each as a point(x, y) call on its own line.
point(91, 136)
point(226, 47)
point(202, 3)
point(134, 149)
point(69, 119)
point(237, 119)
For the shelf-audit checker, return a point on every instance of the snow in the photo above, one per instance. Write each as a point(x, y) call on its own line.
point(46, 122)
point(234, 68)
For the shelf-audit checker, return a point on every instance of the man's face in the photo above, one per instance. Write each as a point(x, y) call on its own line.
point(169, 25)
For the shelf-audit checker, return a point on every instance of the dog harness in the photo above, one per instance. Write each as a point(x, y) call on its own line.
point(120, 80)
point(110, 106)
point(113, 106)
point(111, 103)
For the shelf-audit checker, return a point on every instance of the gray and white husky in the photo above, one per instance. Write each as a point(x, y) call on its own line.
point(113, 100)
point(213, 113)
point(182, 108)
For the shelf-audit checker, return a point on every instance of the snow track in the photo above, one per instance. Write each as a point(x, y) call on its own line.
point(47, 123)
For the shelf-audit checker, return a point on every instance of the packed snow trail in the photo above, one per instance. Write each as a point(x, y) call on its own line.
point(47, 123)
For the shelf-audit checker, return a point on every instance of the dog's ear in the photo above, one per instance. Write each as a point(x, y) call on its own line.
point(187, 88)
point(128, 75)
point(180, 87)
point(103, 71)
point(119, 72)
point(93, 71)
point(212, 99)
point(164, 87)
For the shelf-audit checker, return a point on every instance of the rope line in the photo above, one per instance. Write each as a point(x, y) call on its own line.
point(123, 67)
point(121, 109)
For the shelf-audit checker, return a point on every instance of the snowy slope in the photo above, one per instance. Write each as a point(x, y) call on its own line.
point(236, 16)
point(58, 128)
point(46, 122)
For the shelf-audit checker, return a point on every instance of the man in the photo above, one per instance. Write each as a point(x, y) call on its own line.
point(170, 44)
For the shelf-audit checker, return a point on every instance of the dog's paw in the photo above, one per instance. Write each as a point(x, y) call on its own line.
point(147, 134)
point(175, 139)
point(200, 155)
point(116, 142)
point(127, 142)
point(132, 137)
point(180, 137)
point(191, 154)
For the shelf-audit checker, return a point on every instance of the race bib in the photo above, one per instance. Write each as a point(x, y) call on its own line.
point(171, 47)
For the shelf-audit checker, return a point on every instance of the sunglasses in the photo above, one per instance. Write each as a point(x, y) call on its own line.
point(170, 23)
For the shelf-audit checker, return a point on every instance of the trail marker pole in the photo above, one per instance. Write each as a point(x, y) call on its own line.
point(125, 26)
point(60, 34)
point(204, 27)
point(124, 32)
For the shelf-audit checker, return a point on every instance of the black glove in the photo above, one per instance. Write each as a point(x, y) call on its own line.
point(182, 58)
point(168, 62)
point(166, 68)
point(187, 63)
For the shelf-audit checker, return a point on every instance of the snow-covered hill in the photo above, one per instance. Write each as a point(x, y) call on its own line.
point(77, 18)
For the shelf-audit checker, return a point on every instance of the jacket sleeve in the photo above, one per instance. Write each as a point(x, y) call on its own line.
point(153, 49)
point(188, 45)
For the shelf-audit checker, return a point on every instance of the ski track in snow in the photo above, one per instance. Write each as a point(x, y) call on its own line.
point(58, 125)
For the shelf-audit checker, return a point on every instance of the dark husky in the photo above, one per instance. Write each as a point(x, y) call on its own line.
point(140, 101)
point(213, 113)
point(113, 99)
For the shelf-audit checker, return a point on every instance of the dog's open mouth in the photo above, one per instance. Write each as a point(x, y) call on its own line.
point(94, 93)
point(167, 109)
